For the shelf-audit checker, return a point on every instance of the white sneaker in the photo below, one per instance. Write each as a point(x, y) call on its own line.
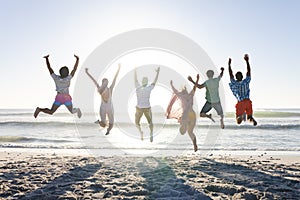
point(79, 113)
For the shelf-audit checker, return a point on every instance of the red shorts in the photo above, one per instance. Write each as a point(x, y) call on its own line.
point(244, 106)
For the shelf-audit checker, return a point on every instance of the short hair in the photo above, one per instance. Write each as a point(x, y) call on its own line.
point(64, 72)
point(210, 73)
point(239, 76)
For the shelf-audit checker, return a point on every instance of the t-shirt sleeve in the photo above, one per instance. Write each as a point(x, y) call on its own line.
point(54, 76)
point(248, 79)
point(151, 86)
point(232, 81)
point(69, 77)
point(136, 83)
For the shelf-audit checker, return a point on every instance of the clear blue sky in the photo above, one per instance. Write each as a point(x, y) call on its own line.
point(268, 30)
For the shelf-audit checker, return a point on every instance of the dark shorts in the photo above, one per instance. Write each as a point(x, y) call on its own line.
point(208, 106)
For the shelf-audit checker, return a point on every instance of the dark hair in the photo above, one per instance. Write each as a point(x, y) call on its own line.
point(239, 76)
point(210, 73)
point(64, 72)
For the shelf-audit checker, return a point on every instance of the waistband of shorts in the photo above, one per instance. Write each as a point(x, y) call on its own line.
point(245, 100)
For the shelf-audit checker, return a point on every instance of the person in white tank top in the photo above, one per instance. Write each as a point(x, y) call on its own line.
point(106, 107)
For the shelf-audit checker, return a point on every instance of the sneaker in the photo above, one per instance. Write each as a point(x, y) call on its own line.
point(79, 114)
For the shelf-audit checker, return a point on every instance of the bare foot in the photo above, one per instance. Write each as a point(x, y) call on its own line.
point(102, 124)
point(210, 117)
point(195, 148)
point(254, 122)
point(37, 111)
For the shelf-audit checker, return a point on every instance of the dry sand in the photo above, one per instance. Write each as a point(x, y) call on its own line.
point(63, 175)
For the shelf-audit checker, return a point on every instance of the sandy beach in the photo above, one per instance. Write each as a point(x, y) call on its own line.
point(38, 174)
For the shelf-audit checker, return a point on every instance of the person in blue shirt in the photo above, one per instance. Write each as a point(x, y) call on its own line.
point(240, 89)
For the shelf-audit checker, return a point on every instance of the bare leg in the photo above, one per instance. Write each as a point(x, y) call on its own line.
point(192, 136)
point(74, 110)
point(222, 122)
point(138, 115)
point(110, 115)
point(45, 110)
point(102, 114)
point(148, 115)
point(110, 126)
point(190, 129)
point(208, 116)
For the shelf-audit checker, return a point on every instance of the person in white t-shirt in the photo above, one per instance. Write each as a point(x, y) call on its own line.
point(143, 106)
point(106, 107)
point(62, 84)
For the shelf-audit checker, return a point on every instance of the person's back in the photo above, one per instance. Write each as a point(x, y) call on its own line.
point(106, 95)
point(212, 90)
point(143, 96)
point(187, 101)
point(240, 89)
point(62, 84)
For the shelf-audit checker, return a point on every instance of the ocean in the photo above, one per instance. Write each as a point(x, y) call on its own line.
point(277, 130)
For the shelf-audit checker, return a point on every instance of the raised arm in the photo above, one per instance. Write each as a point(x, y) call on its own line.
point(75, 66)
point(115, 78)
point(195, 85)
point(173, 88)
point(48, 64)
point(229, 69)
point(156, 77)
point(222, 72)
point(136, 82)
point(94, 81)
point(246, 58)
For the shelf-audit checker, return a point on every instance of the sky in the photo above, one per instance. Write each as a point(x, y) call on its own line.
point(267, 30)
